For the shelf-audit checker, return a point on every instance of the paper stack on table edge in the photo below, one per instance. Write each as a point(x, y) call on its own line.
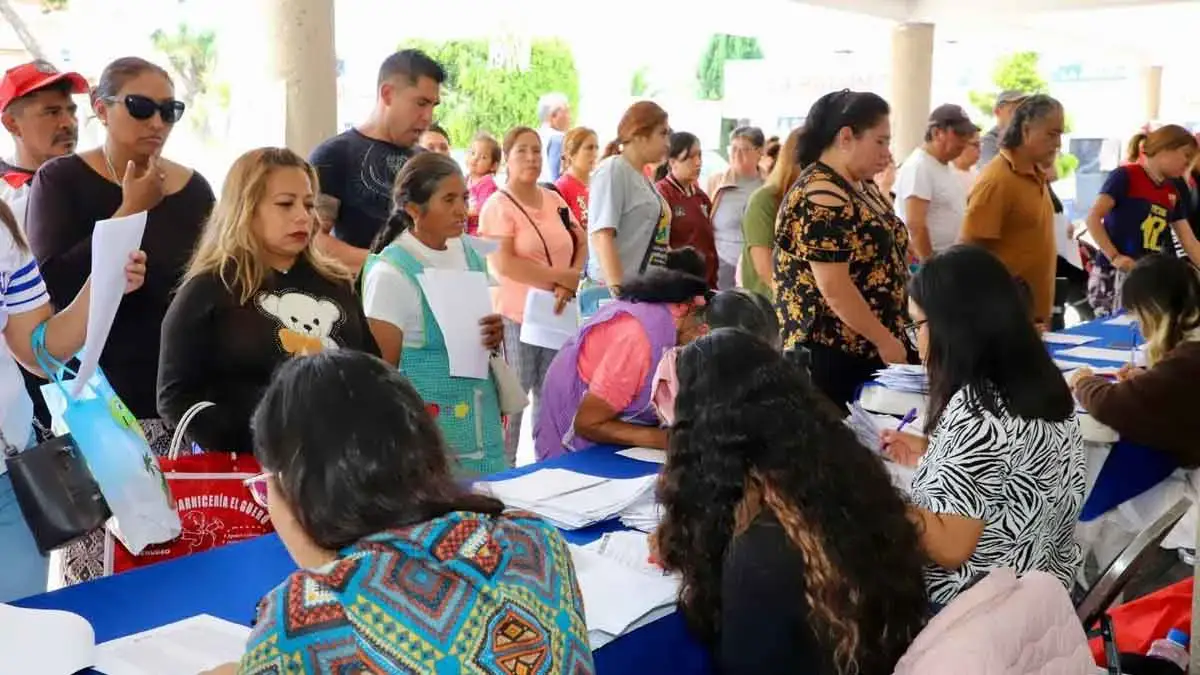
point(906, 378)
point(620, 594)
point(567, 499)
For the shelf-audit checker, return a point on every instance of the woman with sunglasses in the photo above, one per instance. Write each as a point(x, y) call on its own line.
point(376, 492)
point(135, 101)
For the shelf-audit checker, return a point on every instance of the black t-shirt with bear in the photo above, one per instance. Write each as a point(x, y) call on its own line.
point(214, 348)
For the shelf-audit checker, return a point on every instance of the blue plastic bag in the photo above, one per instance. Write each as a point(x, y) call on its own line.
point(115, 449)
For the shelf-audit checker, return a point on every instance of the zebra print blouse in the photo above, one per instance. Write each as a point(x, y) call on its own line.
point(1025, 478)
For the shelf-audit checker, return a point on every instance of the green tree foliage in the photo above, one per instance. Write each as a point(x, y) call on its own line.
point(710, 75)
point(1020, 71)
point(192, 56)
point(1017, 71)
point(478, 97)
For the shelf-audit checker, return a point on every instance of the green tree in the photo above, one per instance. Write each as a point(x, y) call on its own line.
point(1020, 71)
point(478, 97)
point(1017, 71)
point(710, 74)
point(193, 57)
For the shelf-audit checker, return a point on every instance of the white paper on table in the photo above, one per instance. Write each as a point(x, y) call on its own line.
point(645, 455)
point(540, 484)
point(459, 300)
point(1123, 320)
point(1067, 339)
point(193, 645)
point(541, 327)
point(1067, 246)
point(630, 548)
point(112, 242)
point(44, 641)
point(481, 245)
point(1101, 354)
point(614, 595)
point(1064, 364)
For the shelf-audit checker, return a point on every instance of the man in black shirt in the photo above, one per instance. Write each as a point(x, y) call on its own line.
point(357, 167)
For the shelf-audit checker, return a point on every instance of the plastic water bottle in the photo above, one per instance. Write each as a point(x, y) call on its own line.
point(1173, 649)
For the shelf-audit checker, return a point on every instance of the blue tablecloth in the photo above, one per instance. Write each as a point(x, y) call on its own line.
point(228, 583)
point(1130, 469)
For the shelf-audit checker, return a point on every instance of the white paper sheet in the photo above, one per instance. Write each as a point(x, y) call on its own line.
point(43, 641)
point(1067, 246)
point(645, 455)
point(1123, 320)
point(482, 246)
point(459, 300)
point(1066, 339)
point(639, 593)
point(112, 242)
point(631, 549)
point(182, 648)
point(540, 484)
point(541, 327)
point(1065, 365)
point(1100, 354)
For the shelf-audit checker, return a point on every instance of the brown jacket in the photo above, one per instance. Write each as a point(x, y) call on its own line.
point(1158, 408)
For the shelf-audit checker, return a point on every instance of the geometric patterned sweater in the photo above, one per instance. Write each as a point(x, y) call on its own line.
point(463, 594)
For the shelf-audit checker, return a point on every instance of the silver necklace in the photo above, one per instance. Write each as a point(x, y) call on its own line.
point(108, 162)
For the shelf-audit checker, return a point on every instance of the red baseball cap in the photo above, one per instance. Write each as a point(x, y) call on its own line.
point(30, 77)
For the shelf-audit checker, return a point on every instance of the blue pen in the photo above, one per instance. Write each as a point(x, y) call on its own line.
point(907, 419)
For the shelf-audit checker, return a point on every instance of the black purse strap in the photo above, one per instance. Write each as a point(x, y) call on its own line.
point(545, 247)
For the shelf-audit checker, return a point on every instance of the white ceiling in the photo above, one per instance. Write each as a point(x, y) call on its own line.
point(1146, 32)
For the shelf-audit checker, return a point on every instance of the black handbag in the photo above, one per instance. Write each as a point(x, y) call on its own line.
point(56, 492)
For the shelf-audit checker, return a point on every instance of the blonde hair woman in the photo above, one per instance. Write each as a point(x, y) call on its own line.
point(1155, 407)
point(256, 293)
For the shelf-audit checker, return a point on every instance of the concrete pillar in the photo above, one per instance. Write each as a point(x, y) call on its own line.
point(303, 59)
point(912, 85)
point(1152, 83)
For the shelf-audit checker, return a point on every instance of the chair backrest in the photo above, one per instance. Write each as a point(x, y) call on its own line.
point(1104, 592)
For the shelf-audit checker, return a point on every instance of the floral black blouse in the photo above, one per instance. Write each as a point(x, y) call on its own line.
point(861, 230)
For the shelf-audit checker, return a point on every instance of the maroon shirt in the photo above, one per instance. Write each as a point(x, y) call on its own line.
point(691, 222)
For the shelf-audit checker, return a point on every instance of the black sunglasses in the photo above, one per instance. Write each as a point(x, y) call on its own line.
point(144, 107)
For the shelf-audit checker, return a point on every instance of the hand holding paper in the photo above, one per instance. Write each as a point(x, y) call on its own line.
point(118, 267)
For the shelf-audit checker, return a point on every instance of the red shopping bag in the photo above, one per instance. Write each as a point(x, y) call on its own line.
point(1138, 623)
point(215, 507)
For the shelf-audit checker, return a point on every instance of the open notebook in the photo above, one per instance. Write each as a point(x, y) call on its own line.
point(49, 642)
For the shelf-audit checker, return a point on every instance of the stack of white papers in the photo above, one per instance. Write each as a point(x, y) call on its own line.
point(567, 499)
point(900, 377)
point(621, 590)
point(1067, 339)
point(645, 455)
point(645, 514)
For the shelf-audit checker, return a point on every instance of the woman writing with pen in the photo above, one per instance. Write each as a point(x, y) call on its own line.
point(1000, 478)
point(1155, 407)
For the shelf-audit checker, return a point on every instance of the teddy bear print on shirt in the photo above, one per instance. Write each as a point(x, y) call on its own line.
point(307, 323)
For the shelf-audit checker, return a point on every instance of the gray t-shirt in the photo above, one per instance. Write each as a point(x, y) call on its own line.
point(989, 147)
point(621, 198)
point(731, 209)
